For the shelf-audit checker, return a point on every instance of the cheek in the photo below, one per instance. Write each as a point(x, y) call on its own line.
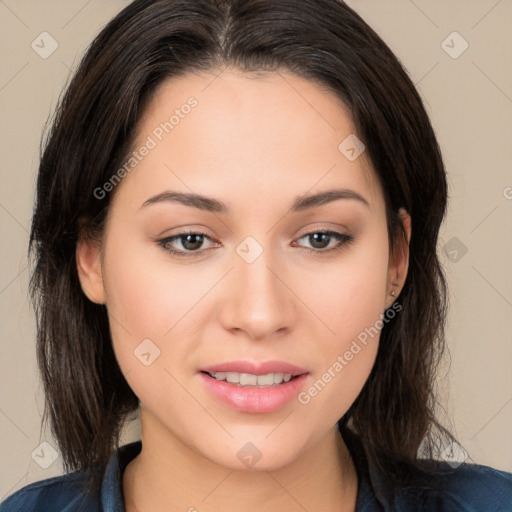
point(348, 295)
point(145, 292)
point(349, 299)
point(149, 299)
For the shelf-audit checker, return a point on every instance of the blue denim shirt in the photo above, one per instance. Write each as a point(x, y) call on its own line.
point(466, 488)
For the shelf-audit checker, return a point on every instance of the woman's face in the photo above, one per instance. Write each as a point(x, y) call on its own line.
point(255, 280)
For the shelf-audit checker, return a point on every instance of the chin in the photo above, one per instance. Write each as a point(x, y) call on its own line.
point(258, 450)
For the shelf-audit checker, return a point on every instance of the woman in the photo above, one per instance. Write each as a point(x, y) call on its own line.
point(237, 214)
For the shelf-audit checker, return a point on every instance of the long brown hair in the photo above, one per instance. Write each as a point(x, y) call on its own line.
point(325, 41)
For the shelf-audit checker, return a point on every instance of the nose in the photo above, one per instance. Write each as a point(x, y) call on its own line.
point(258, 301)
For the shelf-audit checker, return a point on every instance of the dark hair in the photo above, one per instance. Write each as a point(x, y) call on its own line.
point(325, 41)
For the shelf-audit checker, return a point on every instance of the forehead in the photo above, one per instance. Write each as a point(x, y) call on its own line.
point(250, 128)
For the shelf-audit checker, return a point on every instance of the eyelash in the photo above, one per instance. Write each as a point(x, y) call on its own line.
point(342, 238)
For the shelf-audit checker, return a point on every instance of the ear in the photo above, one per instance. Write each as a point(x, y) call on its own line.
point(399, 260)
point(88, 264)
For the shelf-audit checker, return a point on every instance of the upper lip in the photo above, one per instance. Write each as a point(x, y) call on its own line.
point(256, 368)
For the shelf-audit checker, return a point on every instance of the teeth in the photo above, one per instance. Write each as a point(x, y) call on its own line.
point(248, 379)
point(278, 378)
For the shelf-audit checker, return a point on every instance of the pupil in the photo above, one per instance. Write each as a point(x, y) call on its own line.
point(315, 239)
point(195, 245)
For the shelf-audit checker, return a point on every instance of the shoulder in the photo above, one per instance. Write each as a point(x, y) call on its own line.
point(79, 491)
point(427, 485)
point(63, 493)
point(465, 488)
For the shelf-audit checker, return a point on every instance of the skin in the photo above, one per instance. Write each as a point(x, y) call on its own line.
point(255, 144)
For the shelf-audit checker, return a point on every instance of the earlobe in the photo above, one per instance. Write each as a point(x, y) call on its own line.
point(88, 264)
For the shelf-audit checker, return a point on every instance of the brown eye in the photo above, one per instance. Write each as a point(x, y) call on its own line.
point(320, 240)
point(190, 244)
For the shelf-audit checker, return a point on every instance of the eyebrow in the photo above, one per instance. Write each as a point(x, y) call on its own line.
point(301, 203)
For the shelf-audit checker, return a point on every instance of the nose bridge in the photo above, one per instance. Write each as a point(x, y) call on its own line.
point(258, 301)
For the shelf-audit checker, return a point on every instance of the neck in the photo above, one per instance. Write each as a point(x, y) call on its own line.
point(173, 477)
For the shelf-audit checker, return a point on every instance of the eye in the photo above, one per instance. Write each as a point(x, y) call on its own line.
point(190, 243)
point(323, 238)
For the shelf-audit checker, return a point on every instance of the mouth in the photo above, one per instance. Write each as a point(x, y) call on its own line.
point(254, 388)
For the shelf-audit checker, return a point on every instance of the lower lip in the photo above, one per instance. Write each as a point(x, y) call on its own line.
point(251, 398)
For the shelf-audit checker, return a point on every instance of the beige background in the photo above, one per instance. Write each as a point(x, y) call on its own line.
point(469, 99)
